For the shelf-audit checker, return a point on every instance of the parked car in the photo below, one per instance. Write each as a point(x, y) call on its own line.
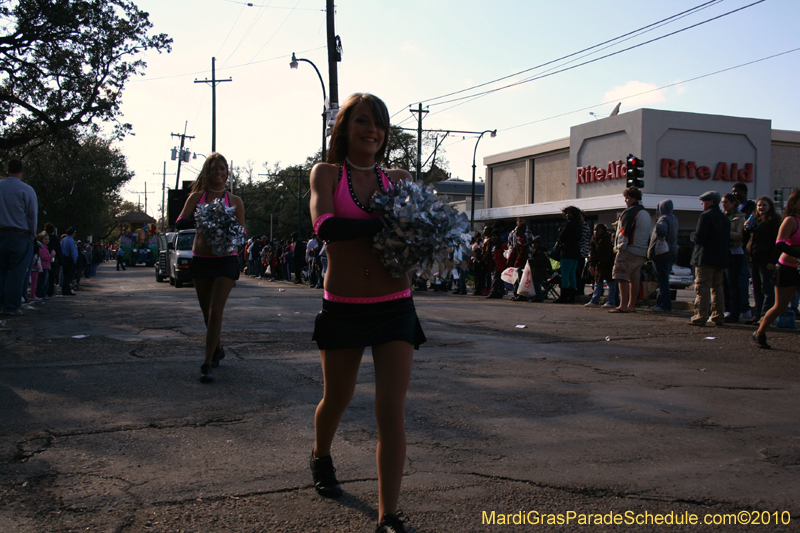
point(680, 277)
point(162, 266)
point(180, 258)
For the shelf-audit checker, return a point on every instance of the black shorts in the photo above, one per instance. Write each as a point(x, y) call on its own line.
point(214, 267)
point(787, 276)
point(343, 325)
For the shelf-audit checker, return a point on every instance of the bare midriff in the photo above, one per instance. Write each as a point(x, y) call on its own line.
point(354, 269)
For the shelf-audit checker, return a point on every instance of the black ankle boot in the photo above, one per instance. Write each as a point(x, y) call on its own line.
point(324, 475)
point(391, 523)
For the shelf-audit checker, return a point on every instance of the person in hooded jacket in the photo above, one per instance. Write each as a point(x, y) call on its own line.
point(666, 228)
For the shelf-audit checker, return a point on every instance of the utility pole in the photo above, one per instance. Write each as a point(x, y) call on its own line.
point(213, 81)
point(419, 138)
point(163, 197)
point(139, 203)
point(180, 152)
point(334, 56)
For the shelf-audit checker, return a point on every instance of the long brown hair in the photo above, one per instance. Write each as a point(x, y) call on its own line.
point(769, 215)
point(339, 146)
point(792, 209)
point(201, 183)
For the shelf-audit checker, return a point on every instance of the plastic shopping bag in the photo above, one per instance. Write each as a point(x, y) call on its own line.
point(509, 275)
point(526, 287)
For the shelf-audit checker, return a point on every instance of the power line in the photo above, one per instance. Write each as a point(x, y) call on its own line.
point(246, 33)
point(627, 34)
point(251, 4)
point(281, 57)
point(648, 91)
point(274, 33)
point(231, 30)
point(534, 78)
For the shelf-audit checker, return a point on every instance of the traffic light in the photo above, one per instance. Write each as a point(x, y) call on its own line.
point(634, 165)
point(778, 197)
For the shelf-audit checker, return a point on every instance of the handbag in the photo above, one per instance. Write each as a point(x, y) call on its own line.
point(661, 247)
point(555, 253)
point(526, 287)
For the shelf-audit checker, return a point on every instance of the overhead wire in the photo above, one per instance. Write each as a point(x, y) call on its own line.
point(627, 34)
point(258, 16)
point(284, 56)
point(624, 37)
point(274, 33)
point(231, 30)
point(667, 86)
point(534, 78)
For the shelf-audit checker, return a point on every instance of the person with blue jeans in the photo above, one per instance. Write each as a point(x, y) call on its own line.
point(19, 209)
point(761, 232)
point(666, 230)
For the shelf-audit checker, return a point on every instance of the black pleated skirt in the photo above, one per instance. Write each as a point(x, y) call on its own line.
point(214, 267)
point(342, 325)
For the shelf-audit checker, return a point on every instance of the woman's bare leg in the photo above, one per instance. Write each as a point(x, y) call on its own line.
point(213, 295)
point(783, 295)
point(393, 362)
point(339, 373)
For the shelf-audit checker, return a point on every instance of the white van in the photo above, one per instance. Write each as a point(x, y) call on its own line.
point(180, 257)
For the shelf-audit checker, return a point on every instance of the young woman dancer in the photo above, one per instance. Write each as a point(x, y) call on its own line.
point(363, 305)
point(213, 276)
point(787, 280)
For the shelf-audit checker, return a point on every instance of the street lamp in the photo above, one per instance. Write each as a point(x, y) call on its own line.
point(293, 65)
point(472, 209)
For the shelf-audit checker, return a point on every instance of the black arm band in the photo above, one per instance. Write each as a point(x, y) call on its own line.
point(185, 223)
point(785, 248)
point(345, 229)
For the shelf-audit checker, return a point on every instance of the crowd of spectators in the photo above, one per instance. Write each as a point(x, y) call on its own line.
point(34, 263)
point(735, 242)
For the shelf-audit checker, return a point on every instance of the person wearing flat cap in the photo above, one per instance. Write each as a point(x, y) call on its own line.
point(710, 259)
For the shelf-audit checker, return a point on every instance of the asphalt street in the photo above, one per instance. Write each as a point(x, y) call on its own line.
point(516, 412)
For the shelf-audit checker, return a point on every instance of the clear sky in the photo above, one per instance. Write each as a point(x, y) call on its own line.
point(417, 50)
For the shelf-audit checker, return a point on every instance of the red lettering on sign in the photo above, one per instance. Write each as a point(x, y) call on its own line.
point(611, 172)
point(682, 168)
point(669, 168)
point(703, 173)
point(746, 174)
point(581, 175)
point(722, 172)
point(601, 174)
point(691, 168)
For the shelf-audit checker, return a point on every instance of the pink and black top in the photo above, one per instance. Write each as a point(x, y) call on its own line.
point(347, 205)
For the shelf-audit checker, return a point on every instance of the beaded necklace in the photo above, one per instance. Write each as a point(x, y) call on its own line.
point(353, 192)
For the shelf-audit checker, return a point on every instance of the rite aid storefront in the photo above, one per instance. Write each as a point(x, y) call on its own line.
point(685, 155)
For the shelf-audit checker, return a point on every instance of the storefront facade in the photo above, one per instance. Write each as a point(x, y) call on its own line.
point(685, 155)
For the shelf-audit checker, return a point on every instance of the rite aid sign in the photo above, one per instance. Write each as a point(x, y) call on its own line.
point(670, 168)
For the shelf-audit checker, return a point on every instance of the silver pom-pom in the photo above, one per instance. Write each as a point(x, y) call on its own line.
point(218, 225)
point(422, 231)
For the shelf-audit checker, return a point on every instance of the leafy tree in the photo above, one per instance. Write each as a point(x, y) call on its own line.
point(77, 179)
point(64, 64)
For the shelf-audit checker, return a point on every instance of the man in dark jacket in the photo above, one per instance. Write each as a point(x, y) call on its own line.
point(710, 259)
